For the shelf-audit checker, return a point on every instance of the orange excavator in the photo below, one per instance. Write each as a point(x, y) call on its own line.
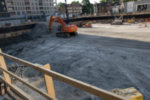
point(66, 30)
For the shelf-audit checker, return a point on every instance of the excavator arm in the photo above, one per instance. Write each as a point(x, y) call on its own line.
point(55, 19)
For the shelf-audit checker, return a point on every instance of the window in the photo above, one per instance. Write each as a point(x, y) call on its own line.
point(3, 3)
point(142, 7)
point(18, 13)
point(4, 9)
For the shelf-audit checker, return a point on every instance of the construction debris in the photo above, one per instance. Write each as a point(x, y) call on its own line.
point(84, 24)
point(17, 69)
point(129, 93)
point(118, 21)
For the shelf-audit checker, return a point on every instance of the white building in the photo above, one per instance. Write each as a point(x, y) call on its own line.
point(20, 8)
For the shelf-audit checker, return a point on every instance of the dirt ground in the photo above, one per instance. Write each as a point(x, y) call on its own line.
point(105, 56)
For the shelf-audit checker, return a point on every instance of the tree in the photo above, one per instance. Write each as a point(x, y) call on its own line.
point(87, 7)
point(86, 2)
point(75, 2)
point(60, 4)
point(103, 0)
point(129, 0)
point(116, 0)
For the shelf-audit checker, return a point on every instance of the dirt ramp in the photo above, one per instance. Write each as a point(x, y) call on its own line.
point(42, 28)
point(39, 29)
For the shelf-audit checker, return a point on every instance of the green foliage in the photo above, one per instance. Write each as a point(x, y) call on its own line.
point(104, 0)
point(60, 4)
point(86, 2)
point(75, 2)
point(129, 0)
point(116, 0)
point(87, 7)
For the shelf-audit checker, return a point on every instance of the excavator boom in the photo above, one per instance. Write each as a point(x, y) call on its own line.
point(55, 19)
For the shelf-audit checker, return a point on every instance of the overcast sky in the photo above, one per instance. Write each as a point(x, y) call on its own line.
point(69, 1)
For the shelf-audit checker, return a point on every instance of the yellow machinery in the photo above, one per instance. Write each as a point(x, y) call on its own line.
point(131, 20)
point(85, 24)
point(129, 93)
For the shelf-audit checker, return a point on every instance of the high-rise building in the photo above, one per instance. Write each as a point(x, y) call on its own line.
point(20, 8)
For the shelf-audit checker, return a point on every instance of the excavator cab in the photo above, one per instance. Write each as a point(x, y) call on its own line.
point(66, 30)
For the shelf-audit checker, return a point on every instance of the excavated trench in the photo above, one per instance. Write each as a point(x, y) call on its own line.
point(105, 62)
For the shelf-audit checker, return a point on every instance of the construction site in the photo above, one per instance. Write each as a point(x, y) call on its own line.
point(104, 55)
point(83, 58)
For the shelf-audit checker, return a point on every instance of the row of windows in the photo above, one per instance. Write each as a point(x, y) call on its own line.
point(4, 14)
point(33, 4)
point(76, 8)
point(20, 8)
point(22, 3)
point(75, 11)
point(30, 12)
point(29, 0)
point(28, 8)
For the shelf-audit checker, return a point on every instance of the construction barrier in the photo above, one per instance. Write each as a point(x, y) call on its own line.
point(48, 75)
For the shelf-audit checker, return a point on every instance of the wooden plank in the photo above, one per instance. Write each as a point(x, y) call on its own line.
point(12, 93)
point(2, 88)
point(19, 92)
point(29, 85)
point(3, 65)
point(81, 85)
point(49, 83)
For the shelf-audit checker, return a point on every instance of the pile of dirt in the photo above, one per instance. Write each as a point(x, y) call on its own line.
point(39, 29)
point(42, 28)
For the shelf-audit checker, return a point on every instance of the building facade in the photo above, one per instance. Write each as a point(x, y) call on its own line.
point(3, 9)
point(21, 8)
point(73, 10)
point(107, 8)
point(138, 6)
point(102, 8)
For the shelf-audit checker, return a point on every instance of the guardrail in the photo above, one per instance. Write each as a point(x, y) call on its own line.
point(111, 17)
point(48, 74)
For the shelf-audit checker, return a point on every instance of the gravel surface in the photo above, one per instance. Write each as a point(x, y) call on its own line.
point(105, 56)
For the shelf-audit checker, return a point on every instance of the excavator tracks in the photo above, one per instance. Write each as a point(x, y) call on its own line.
point(66, 35)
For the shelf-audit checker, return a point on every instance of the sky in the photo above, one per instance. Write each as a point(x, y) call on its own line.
point(69, 1)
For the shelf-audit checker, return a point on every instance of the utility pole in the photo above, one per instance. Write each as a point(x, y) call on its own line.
point(67, 15)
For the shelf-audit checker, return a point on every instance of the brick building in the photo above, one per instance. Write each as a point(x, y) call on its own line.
point(103, 8)
point(73, 10)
